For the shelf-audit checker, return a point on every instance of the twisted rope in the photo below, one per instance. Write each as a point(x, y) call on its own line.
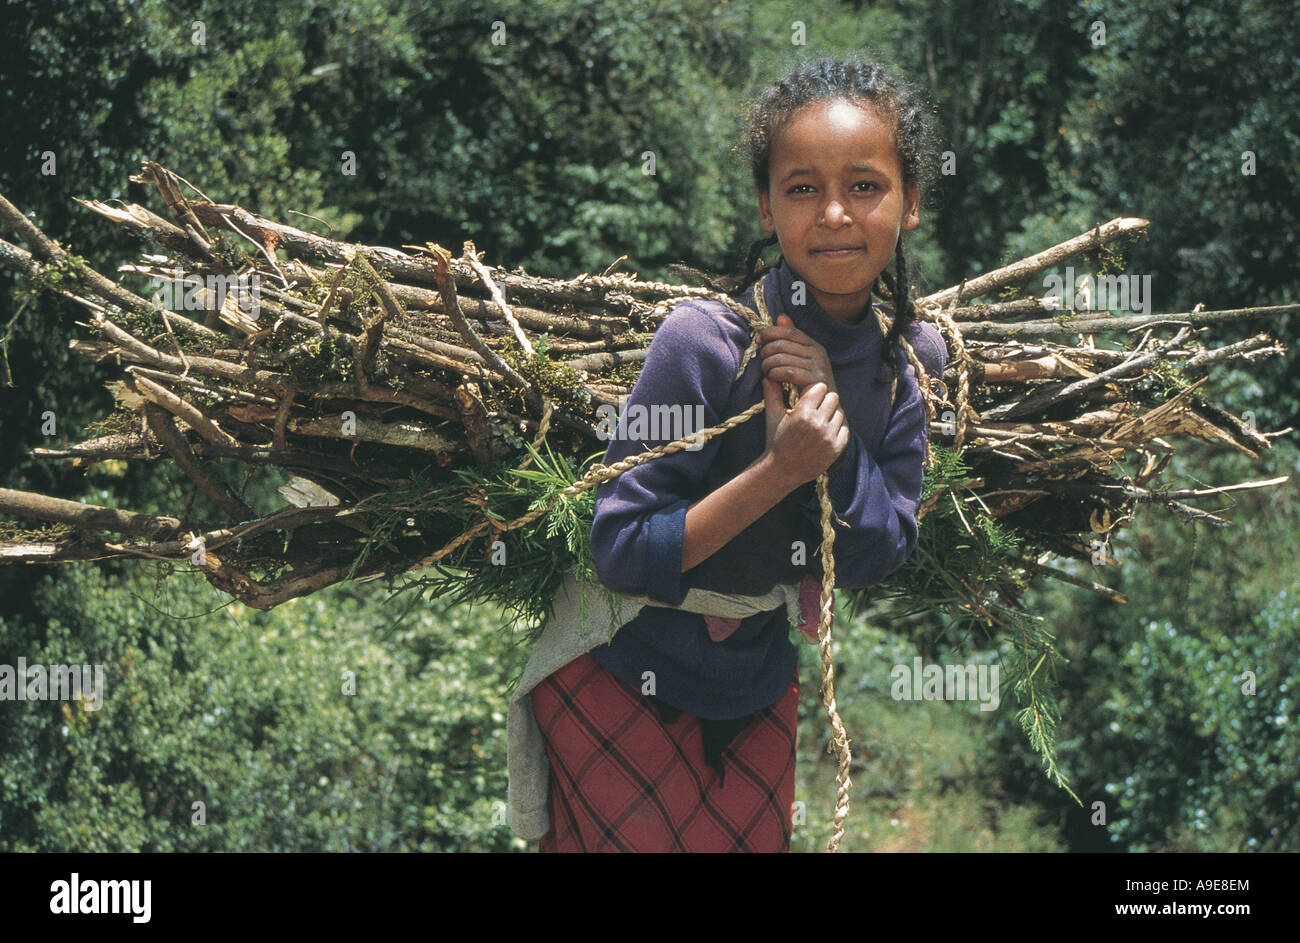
point(597, 474)
point(839, 744)
point(964, 410)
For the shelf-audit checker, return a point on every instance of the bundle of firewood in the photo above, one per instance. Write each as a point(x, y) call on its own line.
point(362, 372)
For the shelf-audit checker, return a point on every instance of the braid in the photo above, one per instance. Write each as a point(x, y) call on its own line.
point(751, 262)
point(689, 271)
point(904, 311)
point(887, 283)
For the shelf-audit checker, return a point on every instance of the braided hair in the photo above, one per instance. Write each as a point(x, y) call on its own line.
point(862, 82)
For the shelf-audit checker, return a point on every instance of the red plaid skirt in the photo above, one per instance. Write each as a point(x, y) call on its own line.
point(624, 780)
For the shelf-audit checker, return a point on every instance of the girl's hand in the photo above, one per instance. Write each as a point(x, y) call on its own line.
point(789, 355)
point(806, 439)
point(811, 435)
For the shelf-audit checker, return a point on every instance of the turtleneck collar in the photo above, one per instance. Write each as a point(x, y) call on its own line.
point(843, 342)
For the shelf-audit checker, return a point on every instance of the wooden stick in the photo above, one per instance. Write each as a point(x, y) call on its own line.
point(160, 423)
point(1041, 400)
point(471, 256)
point(603, 361)
point(447, 285)
point(161, 396)
point(47, 251)
point(143, 223)
point(1099, 588)
point(1020, 271)
point(1069, 325)
point(1021, 307)
point(41, 507)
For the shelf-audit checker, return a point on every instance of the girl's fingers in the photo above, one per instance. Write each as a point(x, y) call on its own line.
point(785, 360)
point(783, 335)
point(814, 393)
point(827, 409)
point(777, 336)
point(812, 399)
point(801, 373)
point(792, 371)
point(785, 351)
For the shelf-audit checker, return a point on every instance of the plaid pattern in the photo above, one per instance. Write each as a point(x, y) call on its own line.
point(624, 780)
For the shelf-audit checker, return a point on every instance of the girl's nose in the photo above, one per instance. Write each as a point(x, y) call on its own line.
point(836, 213)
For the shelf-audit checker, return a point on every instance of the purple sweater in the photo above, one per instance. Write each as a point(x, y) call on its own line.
point(638, 531)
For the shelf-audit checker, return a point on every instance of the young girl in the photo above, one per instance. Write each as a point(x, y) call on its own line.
point(679, 735)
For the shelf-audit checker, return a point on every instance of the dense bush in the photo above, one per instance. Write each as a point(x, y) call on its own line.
point(247, 713)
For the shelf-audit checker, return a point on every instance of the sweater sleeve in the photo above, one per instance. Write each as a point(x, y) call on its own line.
point(878, 495)
point(638, 531)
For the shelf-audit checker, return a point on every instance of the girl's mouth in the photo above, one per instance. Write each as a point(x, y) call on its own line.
point(836, 253)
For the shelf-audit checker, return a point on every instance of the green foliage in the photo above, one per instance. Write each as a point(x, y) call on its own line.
point(1031, 661)
point(958, 549)
point(247, 713)
point(65, 274)
point(518, 570)
point(1210, 725)
point(558, 381)
point(316, 359)
point(354, 288)
point(230, 253)
point(1167, 378)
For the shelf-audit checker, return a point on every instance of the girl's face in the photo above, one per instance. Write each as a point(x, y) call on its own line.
point(837, 202)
